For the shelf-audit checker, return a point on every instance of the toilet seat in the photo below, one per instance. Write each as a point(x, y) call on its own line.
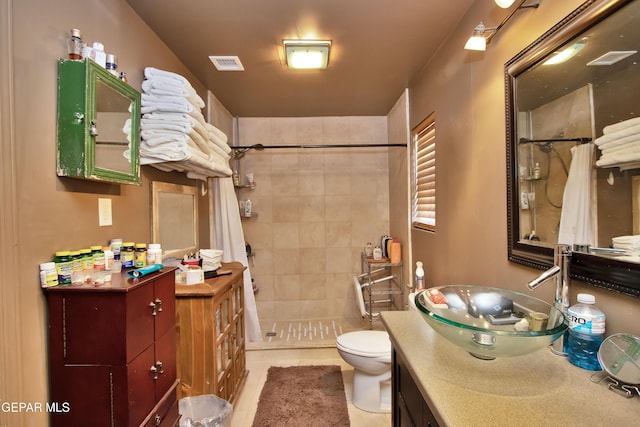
point(365, 343)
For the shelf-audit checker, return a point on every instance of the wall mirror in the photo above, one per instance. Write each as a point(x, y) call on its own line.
point(98, 124)
point(174, 218)
point(573, 146)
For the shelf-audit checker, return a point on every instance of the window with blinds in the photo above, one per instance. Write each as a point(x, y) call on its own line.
point(423, 214)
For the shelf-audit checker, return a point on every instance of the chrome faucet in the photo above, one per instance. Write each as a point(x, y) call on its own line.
point(560, 272)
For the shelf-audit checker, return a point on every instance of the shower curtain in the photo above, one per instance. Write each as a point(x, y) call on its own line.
point(575, 220)
point(228, 236)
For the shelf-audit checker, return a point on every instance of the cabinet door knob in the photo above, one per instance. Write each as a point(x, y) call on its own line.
point(153, 307)
point(158, 302)
point(154, 372)
point(93, 130)
point(160, 367)
point(157, 420)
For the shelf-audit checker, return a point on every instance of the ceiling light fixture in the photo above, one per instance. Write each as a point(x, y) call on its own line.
point(307, 54)
point(483, 35)
point(505, 4)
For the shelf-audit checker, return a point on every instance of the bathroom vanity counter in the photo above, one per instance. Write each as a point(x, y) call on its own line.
point(538, 389)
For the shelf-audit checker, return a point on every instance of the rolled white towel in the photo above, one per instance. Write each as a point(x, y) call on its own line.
point(150, 72)
point(625, 144)
point(167, 86)
point(217, 133)
point(613, 137)
point(187, 107)
point(615, 127)
point(618, 158)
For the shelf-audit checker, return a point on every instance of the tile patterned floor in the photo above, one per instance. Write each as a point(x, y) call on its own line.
point(319, 333)
point(259, 361)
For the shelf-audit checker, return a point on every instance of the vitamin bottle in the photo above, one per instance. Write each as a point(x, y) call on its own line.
point(116, 246)
point(140, 255)
point(48, 274)
point(154, 254)
point(77, 276)
point(87, 260)
point(99, 261)
point(127, 255)
point(63, 264)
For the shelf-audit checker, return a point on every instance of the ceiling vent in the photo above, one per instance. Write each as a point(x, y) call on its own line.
point(227, 63)
point(612, 57)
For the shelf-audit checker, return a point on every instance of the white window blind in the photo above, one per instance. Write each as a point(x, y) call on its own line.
point(424, 186)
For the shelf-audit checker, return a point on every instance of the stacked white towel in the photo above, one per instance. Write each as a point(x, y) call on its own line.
point(620, 145)
point(631, 244)
point(211, 259)
point(174, 133)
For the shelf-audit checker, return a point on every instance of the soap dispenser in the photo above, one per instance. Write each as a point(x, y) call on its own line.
point(419, 276)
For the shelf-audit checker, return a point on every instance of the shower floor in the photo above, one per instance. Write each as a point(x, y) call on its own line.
point(306, 333)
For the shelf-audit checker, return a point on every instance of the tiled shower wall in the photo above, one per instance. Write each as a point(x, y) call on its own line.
point(316, 209)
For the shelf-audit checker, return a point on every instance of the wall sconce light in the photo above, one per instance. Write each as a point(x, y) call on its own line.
point(505, 4)
point(483, 35)
point(307, 54)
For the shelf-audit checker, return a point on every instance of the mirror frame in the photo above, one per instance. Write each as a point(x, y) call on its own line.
point(158, 188)
point(608, 273)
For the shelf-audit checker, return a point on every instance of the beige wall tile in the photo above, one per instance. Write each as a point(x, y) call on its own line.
point(311, 208)
point(312, 235)
point(286, 261)
point(316, 210)
point(285, 235)
point(286, 287)
point(338, 234)
point(313, 262)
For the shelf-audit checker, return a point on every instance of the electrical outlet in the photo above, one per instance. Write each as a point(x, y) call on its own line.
point(104, 212)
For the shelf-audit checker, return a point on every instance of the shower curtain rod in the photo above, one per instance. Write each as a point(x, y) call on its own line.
point(261, 147)
point(580, 140)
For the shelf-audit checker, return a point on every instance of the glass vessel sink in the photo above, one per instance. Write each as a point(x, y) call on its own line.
point(490, 322)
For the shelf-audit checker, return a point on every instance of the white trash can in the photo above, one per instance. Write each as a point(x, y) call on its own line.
point(205, 411)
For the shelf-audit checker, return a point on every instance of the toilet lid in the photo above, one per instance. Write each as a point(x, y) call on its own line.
point(366, 343)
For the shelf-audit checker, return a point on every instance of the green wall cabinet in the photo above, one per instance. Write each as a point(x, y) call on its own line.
point(98, 124)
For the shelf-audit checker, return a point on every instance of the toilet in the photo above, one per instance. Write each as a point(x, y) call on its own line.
point(369, 352)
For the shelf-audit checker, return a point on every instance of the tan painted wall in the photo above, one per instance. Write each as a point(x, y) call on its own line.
point(466, 91)
point(42, 213)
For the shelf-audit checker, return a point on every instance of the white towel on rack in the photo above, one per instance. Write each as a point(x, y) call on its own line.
point(612, 138)
point(615, 127)
point(150, 72)
point(575, 221)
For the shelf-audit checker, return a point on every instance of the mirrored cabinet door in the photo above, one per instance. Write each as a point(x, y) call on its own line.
point(98, 124)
